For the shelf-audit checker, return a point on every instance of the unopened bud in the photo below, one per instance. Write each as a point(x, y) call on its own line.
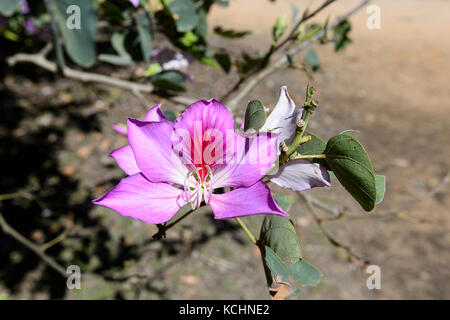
point(284, 147)
point(300, 123)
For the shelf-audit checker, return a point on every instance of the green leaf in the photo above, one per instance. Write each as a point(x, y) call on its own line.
point(380, 182)
point(279, 28)
point(118, 43)
point(170, 80)
point(285, 202)
point(184, 13)
point(340, 35)
point(231, 34)
point(79, 43)
point(315, 146)
point(153, 69)
point(115, 59)
point(170, 115)
point(312, 60)
point(352, 167)
point(8, 7)
point(202, 25)
point(145, 30)
point(279, 234)
point(255, 115)
point(189, 39)
point(224, 61)
point(301, 272)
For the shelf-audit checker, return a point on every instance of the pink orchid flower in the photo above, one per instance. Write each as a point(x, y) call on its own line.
point(171, 164)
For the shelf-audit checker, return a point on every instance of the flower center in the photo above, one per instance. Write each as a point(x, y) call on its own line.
point(198, 185)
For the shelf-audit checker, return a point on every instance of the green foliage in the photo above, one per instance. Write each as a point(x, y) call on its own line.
point(153, 69)
point(315, 146)
point(352, 167)
point(231, 34)
point(8, 7)
point(145, 31)
point(380, 182)
point(281, 253)
point(312, 60)
point(184, 13)
point(255, 115)
point(170, 80)
point(79, 43)
point(279, 28)
point(224, 61)
point(340, 35)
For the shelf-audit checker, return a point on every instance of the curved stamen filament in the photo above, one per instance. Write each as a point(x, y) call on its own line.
point(196, 188)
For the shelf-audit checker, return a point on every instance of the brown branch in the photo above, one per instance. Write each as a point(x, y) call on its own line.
point(259, 76)
point(7, 229)
point(350, 254)
point(340, 213)
point(40, 60)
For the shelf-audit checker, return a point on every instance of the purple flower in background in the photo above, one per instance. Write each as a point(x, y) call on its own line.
point(135, 3)
point(171, 164)
point(30, 26)
point(24, 7)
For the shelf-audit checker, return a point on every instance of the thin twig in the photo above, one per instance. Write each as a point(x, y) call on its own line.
point(7, 229)
point(340, 213)
point(162, 228)
point(258, 77)
point(250, 235)
point(40, 60)
point(351, 255)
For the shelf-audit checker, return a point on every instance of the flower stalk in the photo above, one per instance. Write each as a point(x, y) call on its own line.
point(309, 107)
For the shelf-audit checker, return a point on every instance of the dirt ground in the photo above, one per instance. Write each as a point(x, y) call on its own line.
point(390, 85)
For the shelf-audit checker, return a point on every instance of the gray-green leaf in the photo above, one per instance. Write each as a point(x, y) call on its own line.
point(352, 167)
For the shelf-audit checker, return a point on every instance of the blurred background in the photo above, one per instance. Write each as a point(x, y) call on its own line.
point(391, 85)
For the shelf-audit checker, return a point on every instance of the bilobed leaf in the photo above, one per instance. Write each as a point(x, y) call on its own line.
point(279, 234)
point(8, 7)
point(352, 167)
point(144, 26)
point(170, 80)
point(185, 14)
point(297, 274)
point(79, 43)
point(381, 188)
point(255, 116)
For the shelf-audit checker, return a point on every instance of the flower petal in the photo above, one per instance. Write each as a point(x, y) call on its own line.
point(282, 118)
point(247, 159)
point(120, 129)
point(124, 157)
point(152, 147)
point(155, 114)
point(138, 198)
point(241, 202)
point(204, 123)
point(301, 174)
